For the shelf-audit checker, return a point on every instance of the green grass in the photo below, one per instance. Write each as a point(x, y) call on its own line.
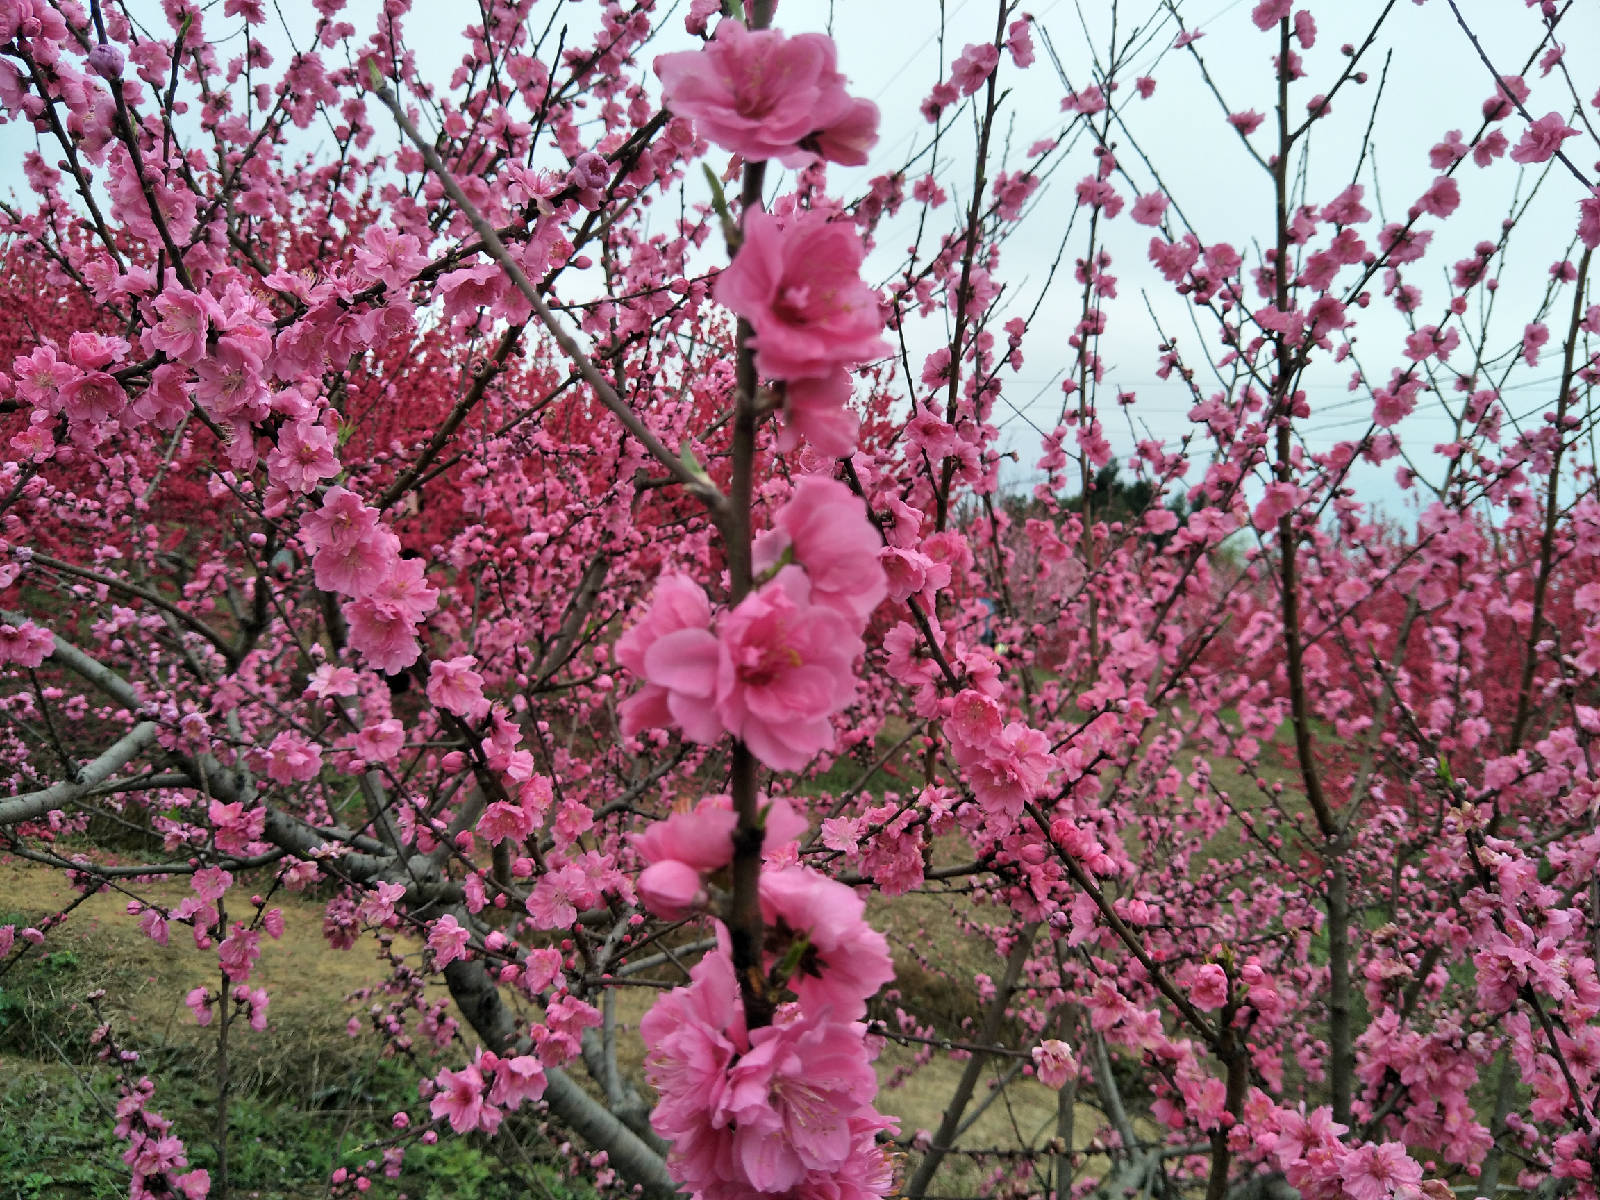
point(290, 1125)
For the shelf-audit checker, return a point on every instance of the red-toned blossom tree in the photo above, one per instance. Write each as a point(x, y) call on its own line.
point(591, 571)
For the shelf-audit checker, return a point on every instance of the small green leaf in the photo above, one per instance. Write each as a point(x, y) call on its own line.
point(719, 199)
point(790, 963)
point(691, 463)
point(374, 76)
point(784, 559)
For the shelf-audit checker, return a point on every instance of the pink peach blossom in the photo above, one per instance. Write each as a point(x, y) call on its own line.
point(678, 603)
point(460, 1099)
point(293, 759)
point(454, 685)
point(1054, 1063)
point(763, 95)
point(790, 1100)
point(448, 940)
point(1209, 988)
point(774, 673)
point(817, 409)
point(847, 960)
point(27, 644)
point(671, 889)
point(824, 528)
point(517, 1079)
point(800, 286)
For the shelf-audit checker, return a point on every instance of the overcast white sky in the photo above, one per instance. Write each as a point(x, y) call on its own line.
point(892, 53)
point(1435, 83)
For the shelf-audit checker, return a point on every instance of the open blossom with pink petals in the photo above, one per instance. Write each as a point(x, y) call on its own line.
point(93, 396)
point(846, 961)
point(293, 759)
point(304, 454)
point(824, 528)
point(565, 1019)
point(1589, 219)
point(341, 520)
point(329, 680)
point(448, 940)
point(1379, 1172)
point(772, 675)
point(454, 685)
point(459, 1098)
point(1006, 765)
point(671, 889)
point(405, 587)
point(517, 1079)
point(786, 1109)
point(199, 1001)
point(378, 905)
point(1209, 988)
point(1053, 1063)
point(689, 1036)
point(974, 66)
point(228, 383)
point(816, 409)
point(702, 838)
point(555, 900)
point(379, 741)
point(238, 952)
point(236, 828)
point(910, 572)
point(26, 644)
point(791, 1097)
point(352, 552)
point(503, 819)
point(799, 284)
point(382, 633)
point(357, 567)
point(184, 324)
point(1542, 140)
point(688, 845)
point(764, 95)
point(678, 603)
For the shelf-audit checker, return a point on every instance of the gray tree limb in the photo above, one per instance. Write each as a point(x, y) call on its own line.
point(33, 805)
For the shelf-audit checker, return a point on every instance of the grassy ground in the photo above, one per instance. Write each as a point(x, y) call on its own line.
point(309, 1098)
point(306, 1098)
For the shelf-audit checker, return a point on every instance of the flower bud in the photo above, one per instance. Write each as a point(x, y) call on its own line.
point(107, 61)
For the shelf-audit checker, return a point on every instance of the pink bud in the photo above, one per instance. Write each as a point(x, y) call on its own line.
point(670, 889)
point(107, 61)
